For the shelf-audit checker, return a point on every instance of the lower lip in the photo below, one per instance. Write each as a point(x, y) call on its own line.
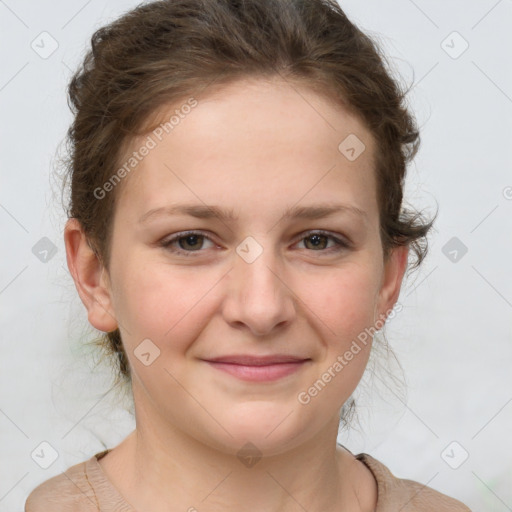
point(264, 373)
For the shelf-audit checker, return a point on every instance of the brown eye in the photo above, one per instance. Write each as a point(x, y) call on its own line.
point(192, 241)
point(318, 241)
point(188, 243)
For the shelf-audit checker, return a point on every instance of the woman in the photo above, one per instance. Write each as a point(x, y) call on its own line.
point(236, 229)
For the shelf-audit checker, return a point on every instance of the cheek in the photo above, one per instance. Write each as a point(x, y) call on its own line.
point(343, 305)
point(162, 301)
point(344, 301)
point(161, 304)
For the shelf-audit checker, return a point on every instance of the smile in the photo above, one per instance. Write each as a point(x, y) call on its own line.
point(259, 372)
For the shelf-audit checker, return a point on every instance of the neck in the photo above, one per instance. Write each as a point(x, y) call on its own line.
point(161, 469)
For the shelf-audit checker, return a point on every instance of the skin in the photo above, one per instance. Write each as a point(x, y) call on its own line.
point(256, 147)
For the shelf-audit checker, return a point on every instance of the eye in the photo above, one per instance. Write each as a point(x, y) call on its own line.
point(193, 239)
point(191, 242)
point(318, 240)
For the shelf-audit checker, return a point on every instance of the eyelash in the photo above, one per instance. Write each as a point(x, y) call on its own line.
point(166, 244)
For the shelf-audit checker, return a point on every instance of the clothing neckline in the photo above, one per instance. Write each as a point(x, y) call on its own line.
point(111, 494)
point(98, 479)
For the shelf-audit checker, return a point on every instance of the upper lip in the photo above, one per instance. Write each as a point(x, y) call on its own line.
point(250, 360)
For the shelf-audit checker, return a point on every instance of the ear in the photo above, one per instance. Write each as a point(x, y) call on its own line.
point(91, 278)
point(394, 270)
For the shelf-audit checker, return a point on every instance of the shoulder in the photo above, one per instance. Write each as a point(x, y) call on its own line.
point(68, 491)
point(411, 496)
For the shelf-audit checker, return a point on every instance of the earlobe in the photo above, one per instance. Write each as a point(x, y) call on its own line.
point(394, 270)
point(90, 277)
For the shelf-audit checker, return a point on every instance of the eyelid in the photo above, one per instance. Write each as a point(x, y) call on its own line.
point(166, 242)
point(342, 243)
point(343, 240)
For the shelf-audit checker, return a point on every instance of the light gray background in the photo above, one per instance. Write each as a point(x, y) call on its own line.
point(453, 336)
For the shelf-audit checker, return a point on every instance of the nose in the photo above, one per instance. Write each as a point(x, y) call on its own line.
point(258, 296)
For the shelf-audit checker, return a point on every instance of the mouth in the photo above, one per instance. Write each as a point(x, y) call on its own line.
point(258, 368)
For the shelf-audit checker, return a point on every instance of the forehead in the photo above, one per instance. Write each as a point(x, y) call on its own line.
point(249, 139)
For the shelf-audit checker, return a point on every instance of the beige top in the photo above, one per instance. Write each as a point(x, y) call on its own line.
point(85, 488)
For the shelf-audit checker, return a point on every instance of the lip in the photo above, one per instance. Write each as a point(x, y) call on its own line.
point(250, 360)
point(258, 368)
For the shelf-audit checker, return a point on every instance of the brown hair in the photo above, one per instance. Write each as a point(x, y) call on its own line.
point(161, 52)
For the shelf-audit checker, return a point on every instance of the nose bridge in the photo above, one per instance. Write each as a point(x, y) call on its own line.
point(261, 276)
point(258, 296)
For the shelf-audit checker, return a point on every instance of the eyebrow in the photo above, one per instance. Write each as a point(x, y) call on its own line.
point(228, 215)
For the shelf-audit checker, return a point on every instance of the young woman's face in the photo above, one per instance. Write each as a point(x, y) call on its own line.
point(279, 279)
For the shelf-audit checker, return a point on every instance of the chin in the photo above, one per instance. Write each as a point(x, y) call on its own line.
point(263, 428)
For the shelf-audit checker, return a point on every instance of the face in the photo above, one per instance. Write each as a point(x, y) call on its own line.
point(278, 278)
